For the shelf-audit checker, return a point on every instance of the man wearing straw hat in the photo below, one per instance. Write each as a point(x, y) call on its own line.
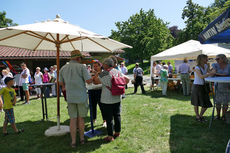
point(72, 79)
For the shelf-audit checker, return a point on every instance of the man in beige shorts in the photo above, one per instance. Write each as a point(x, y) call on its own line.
point(73, 77)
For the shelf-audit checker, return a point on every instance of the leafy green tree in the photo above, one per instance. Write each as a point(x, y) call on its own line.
point(147, 34)
point(218, 7)
point(195, 20)
point(5, 22)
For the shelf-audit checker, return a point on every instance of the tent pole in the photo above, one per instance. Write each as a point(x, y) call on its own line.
point(58, 85)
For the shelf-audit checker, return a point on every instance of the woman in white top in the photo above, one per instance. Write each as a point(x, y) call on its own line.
point(153, 74)
point(38, 77)
point(200, 96)
point(5, 74)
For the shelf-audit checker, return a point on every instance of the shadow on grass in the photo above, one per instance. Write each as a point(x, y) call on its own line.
point(34, 140)
point(188, 135)
point(170, 95)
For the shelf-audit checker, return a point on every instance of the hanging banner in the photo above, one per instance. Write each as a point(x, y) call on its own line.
point(218, 31)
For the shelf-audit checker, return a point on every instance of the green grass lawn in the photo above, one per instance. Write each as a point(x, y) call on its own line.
point(150, 124)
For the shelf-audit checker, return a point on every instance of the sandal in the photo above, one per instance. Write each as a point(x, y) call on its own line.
point(73, 145)
point(5, 134)
point(82, 142)
point(217, 118)
point(198, 119)
point(109, 139)
point(223, 118)
point(116, 135)
point(20, 131)
point(202, 119)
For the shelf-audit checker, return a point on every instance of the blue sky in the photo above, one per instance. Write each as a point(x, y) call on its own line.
point(95, 15)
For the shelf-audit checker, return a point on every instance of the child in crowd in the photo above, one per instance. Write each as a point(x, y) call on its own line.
point(9, 100)
point(164, 79)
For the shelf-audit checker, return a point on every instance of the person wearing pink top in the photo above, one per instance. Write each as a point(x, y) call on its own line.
point(46, 79)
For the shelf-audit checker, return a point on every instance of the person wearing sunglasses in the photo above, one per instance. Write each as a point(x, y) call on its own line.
point(222, 69)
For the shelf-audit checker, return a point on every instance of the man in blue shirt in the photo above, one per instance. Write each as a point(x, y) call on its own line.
point(184, 70)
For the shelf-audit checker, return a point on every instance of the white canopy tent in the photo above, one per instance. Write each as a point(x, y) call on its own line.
point(190, 50)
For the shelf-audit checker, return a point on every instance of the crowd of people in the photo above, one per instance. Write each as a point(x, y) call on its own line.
point(160, 73)
point(200, 89)
point(74, 77)
point(26, 77)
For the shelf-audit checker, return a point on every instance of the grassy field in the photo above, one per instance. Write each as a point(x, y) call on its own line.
point(150, 124)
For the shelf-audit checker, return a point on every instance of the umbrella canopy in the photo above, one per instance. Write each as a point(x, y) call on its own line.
point(190, 49)
point(218, 31)
point(57, 35)
point(43, 36)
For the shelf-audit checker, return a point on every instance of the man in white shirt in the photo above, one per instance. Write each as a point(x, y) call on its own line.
point(124, 71)
point(153, 75)
point(24, 81)
point(158, 68)
point(123, 68)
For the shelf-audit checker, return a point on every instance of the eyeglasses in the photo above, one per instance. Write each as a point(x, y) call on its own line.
point(217, 59)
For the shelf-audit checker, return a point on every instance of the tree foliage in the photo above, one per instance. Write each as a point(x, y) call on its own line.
point(4, 21)
point(197, 18)
point(218, 7)
point(147, 34)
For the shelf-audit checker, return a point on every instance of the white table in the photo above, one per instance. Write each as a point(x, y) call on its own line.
point(216, 80)
point(171, 79)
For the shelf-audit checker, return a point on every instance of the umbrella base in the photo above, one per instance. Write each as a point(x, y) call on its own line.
point(93, 133)
point(55, 131)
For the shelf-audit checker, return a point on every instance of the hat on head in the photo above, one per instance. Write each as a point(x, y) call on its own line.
point(76, 53)
point(38, 68)
point(165, 66)
point(7, 79)
point(45, 69)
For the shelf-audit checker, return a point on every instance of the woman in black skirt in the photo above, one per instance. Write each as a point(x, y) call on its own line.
point(200, 96)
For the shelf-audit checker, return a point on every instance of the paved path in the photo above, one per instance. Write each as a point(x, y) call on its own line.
point(147, 80)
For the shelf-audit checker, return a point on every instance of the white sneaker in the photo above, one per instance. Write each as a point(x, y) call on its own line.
point(104, 125)
point(27, 102)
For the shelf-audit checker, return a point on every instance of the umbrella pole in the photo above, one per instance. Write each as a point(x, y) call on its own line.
point(58, 85)
point(57, 130)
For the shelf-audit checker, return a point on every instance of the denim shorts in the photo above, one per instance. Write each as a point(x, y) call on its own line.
point(25, 86)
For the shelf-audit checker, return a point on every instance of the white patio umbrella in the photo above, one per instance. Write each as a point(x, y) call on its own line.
point(57, 35)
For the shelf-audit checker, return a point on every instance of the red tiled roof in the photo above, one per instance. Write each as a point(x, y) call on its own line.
point(19, 53)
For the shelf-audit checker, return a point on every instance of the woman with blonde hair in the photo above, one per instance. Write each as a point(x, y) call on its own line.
point(222, 69)
point(200, 96)
point(5, 74)
point(38, 77)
